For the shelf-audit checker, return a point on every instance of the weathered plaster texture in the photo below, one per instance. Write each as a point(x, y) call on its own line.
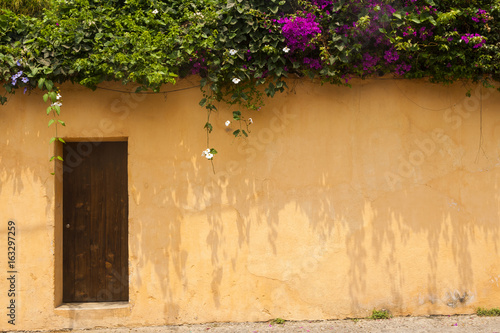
point(342, 200)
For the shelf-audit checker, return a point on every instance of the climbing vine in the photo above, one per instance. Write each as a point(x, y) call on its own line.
point(54, 110)
point(244, 51)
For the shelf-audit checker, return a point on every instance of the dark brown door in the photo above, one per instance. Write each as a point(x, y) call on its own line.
point(95, 222)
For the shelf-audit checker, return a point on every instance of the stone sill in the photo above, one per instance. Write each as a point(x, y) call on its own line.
point(93, 306)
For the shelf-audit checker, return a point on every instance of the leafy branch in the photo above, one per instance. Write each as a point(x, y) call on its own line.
point(54, 110)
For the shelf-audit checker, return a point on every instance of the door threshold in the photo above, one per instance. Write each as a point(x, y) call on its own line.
point(93, 306)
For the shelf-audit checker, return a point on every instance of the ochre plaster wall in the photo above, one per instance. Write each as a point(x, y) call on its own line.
point(341, 201)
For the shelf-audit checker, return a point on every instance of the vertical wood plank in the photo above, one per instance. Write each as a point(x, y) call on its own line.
point(123, 200)
point(69, 193)
point(98, 218)
point(76, 212)
point(82, 223)
point(117, 220)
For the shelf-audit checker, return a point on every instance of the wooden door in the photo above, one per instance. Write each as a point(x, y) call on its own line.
point(95, 222)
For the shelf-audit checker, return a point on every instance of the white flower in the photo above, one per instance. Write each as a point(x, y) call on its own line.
point(155, 11)
point(236, 80)
point(250, 120)
point(59, 104)
point(228, 122)
point(209, 156)
point(58, 96)
point(286, 49)
point(232, 52)
point(205, 152)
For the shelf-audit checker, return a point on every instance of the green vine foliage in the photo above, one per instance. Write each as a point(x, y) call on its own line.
point(245, 50)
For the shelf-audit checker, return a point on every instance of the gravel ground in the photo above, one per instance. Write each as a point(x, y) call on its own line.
point(444, 324)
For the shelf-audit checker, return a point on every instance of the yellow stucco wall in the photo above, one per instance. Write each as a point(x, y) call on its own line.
point(342, 200)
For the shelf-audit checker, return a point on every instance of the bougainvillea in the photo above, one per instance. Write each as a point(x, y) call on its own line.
point(237, 46)
point(476, 39)
point(300, 32)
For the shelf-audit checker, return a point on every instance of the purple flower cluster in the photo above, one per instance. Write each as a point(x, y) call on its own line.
point(346, 78)
point(371, 33)
point(299, 31)
point(378, 8)
point(481, 16)
point(313, 63)
point(369, 62)
point(391, 55)
point(18, 75)
point(402, 69)
point(377, 12)
point(408, 31)
point(199, 65)
point(424, 33)
point(422, 9)
point(322, 4)
point(343, 30)
point(473, 38)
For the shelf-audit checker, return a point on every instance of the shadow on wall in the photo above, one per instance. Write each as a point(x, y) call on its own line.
point(24, 155)
point(314, 213)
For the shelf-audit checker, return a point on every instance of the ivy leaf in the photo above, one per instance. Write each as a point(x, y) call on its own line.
point(41, 81)
point(236, 133)
point(53, 96)
point(49, 85)
point(51, 121)
point(203, 102)
point(61, 140)
point(236, 115)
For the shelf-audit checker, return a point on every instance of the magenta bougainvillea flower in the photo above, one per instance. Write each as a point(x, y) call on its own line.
point(477, 39)
point(299, 31)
